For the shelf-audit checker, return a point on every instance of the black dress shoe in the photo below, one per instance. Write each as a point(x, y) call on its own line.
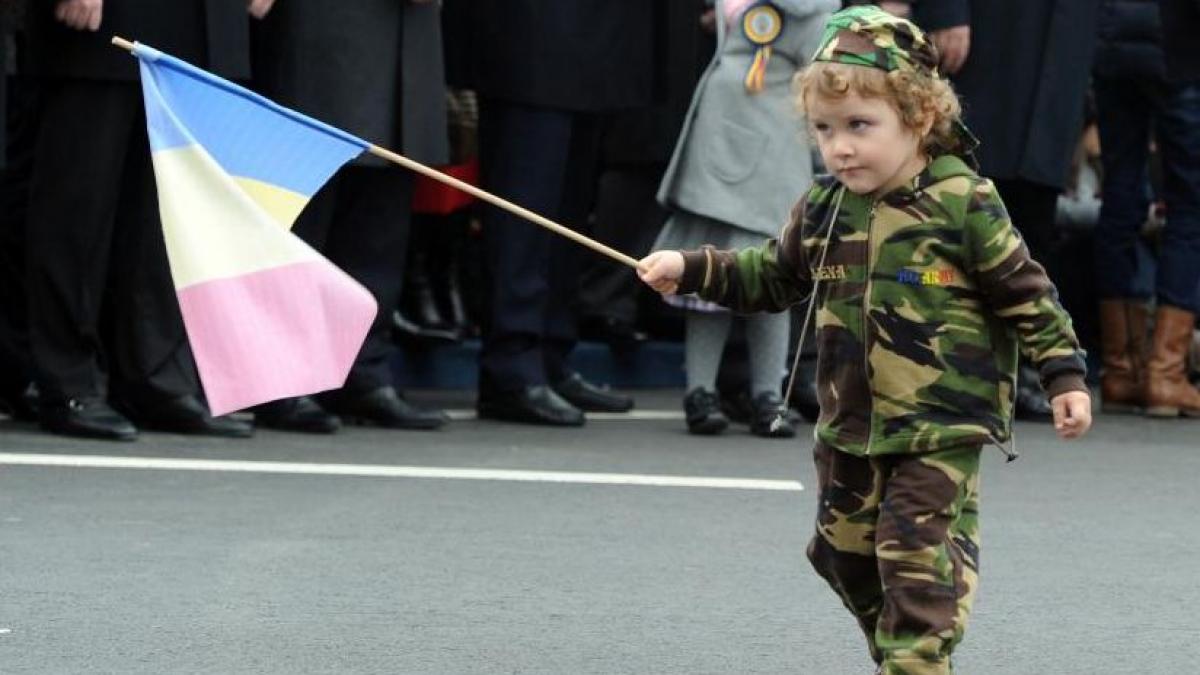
point(85, 418)
point(296, 414)
point(589, 397)
point(186, 415)
point(770, 418)
point(536, 404)
point(1031, 404)
point(702, 411)
point(383, 407)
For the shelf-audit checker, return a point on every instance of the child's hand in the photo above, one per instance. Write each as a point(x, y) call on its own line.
point(1072, 414)
point(662, 271)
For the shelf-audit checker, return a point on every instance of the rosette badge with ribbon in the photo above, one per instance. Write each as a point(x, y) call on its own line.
point(762, 23)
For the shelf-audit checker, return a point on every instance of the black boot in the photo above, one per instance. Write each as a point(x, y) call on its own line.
point(89, 417)
point(417, 305)
point(770, 418)
point(702, 410)
point(301, 414)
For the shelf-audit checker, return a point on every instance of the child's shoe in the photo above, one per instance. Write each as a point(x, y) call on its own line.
point(771, 418)
point(703, 412)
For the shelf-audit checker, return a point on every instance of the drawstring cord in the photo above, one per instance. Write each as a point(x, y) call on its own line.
point(778, 422)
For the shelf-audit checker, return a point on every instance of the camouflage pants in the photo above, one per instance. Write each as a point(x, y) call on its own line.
point(898, 540)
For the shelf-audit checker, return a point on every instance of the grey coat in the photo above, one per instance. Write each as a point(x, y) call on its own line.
point(370, 67)
point(743, 159)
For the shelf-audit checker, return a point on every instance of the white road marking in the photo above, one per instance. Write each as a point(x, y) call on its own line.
point(386, 471)
point(632, 415)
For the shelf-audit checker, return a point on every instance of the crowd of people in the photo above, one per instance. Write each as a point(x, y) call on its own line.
point(642, 123)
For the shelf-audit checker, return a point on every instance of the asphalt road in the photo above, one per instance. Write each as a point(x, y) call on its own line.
point(1091, 553)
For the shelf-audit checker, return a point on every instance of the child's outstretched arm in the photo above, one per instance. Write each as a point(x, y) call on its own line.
point(769, 278)
point(1021, 293)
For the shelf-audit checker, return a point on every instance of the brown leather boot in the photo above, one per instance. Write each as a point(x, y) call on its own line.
point(1168, 392)
point(1123, 350)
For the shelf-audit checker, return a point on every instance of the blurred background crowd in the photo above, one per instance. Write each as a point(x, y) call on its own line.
point(633, 121)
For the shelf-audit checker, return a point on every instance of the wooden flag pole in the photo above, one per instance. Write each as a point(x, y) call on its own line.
point(480, 194)
point(504, 204)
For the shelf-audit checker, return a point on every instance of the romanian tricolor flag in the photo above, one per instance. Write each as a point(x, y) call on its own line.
point(266, 315)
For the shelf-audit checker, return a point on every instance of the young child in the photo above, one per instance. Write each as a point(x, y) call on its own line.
point(737, 169)
point(923, 292)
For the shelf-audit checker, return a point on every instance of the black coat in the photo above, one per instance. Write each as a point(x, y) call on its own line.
point(1024, 82)
point(212, 34)
point(1180, 19)
point(348, 65)
point(581, 55)
point(1130, 40)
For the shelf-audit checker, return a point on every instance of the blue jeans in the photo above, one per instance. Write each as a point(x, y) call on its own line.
point(1127, 110)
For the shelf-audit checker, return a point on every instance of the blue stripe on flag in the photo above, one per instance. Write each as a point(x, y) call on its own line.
point(247, 134)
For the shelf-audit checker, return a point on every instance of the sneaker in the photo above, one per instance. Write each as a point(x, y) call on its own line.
point(771, 418)
point(703, 412)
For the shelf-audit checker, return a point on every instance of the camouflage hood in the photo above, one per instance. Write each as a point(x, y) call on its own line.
point(924, 297)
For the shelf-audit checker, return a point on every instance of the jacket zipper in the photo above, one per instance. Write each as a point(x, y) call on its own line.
point(866, 318)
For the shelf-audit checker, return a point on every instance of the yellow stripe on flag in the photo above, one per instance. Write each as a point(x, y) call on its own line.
point(280, 203)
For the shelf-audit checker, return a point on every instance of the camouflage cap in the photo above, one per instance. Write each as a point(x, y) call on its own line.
point(865, 35)
point(868, 36)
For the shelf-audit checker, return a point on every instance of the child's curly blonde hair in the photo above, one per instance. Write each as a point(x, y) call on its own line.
point(919, 98)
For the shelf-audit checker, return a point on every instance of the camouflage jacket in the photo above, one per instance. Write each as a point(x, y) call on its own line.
point(923, 297)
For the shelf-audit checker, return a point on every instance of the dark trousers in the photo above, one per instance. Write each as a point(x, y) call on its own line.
point(101, 298)
point(628, 219)
point(16, 367)
point(359, 220)
point(544, 160)
point(1127, 111)
point(898, 540)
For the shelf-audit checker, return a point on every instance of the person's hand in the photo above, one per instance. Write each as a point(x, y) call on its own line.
point(900, 9)
point(259, 8)
point(1072, 414)
point(708, 20)
point(662, 271)
point(954, 45)
point(80, 14)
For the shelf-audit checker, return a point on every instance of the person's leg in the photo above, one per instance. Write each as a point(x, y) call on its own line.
point(82, 144)
point(72, 212)
point(1169, 393)
point(150, 360)
point(524, 152)
point(927, 547)
point(627, 218)
point(1123, 112)
point(368, 239)
point(842, 551)
point(1178, 134)
point(705, 336)
point(16, 361)
point(567, 258)
point(767, 343)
